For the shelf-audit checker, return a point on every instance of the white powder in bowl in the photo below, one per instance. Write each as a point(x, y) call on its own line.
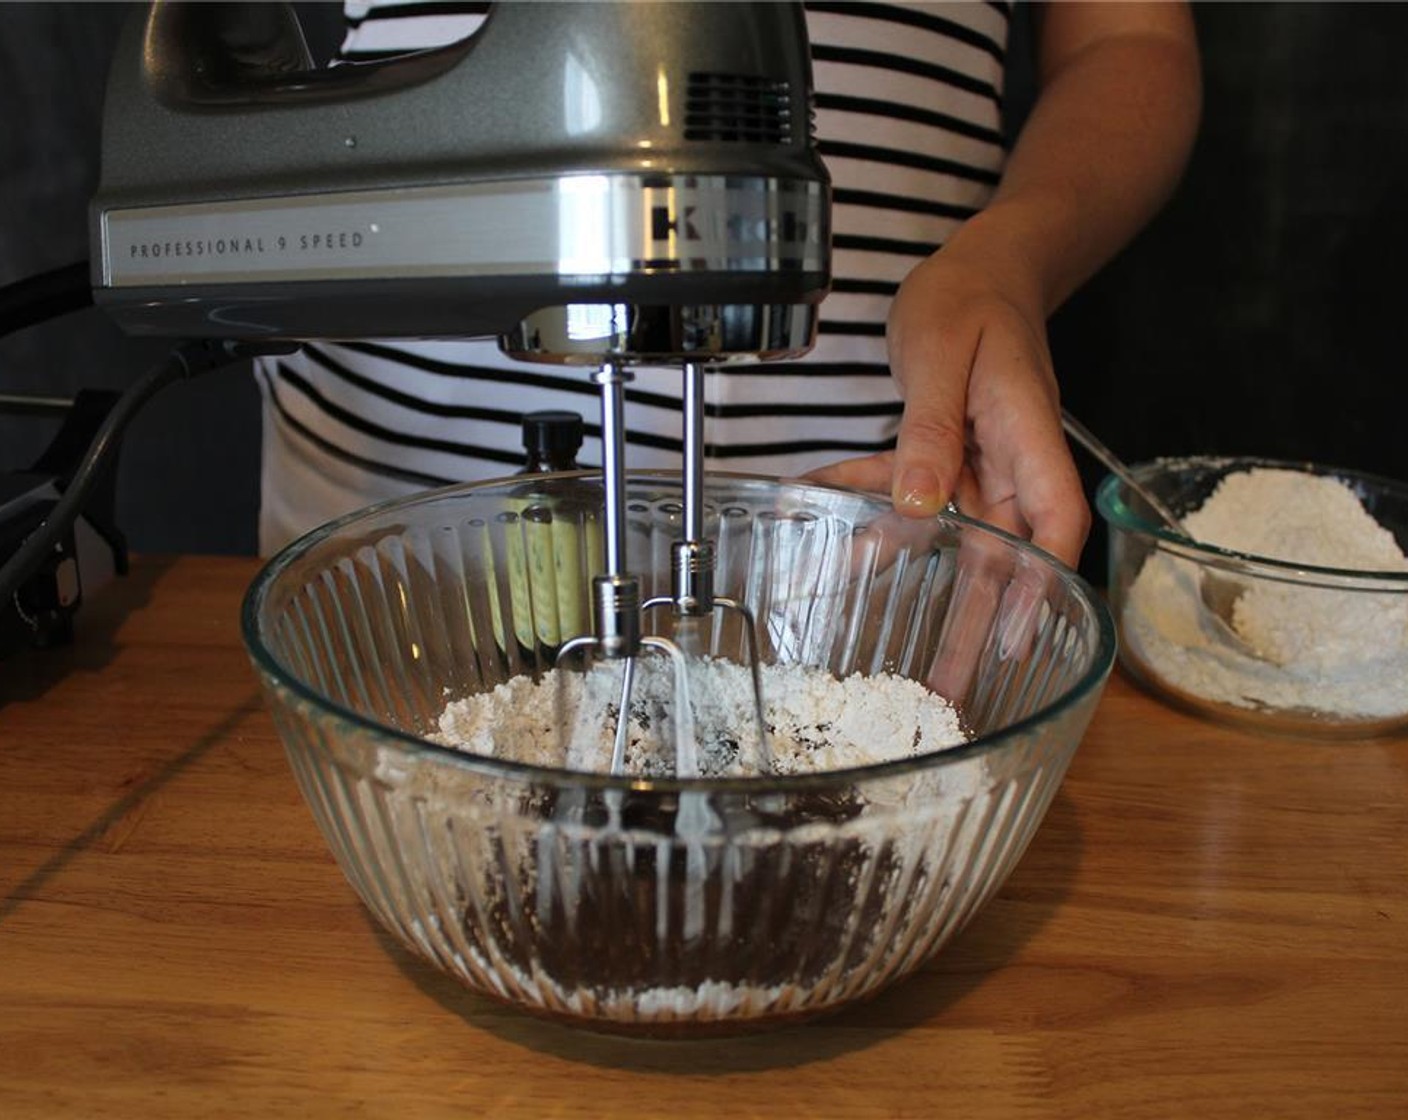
point(814, 720)
point(1341, 653)
point(889, 857)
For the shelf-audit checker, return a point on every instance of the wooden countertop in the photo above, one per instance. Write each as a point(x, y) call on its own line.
point(1207, 924)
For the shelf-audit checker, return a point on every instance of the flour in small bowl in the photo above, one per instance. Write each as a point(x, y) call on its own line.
point(1343, 653)
point(814, 721)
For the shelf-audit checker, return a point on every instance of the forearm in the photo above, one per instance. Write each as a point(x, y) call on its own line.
point(1101, 152)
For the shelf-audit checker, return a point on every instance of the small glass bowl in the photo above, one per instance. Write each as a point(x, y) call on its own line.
point(1349, 680)
point(670, 906)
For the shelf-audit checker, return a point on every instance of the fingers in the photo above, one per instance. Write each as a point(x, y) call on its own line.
point(1054, 506)
point(1045, 501)
point(928, 458)
point(932, 369)
point(1033, 489)
point(982, 566)
point(871, 473)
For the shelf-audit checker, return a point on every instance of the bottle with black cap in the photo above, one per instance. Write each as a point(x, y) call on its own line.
point(548, 571)
point(551, 440)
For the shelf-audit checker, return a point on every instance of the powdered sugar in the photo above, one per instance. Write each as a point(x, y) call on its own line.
point(814, 721)
point(1328, 650)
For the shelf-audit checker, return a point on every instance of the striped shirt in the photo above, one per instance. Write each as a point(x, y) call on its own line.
point(908, 100)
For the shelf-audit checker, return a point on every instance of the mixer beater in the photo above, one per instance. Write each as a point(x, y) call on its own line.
point(617, 610)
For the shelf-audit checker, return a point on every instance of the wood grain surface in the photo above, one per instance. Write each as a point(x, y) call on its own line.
point(1208, 924)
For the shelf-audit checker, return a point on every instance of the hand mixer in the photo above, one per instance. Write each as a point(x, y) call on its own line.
point(603, 185)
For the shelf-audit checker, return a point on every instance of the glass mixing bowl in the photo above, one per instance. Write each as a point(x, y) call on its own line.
point(1346, 673)
point(670, 906)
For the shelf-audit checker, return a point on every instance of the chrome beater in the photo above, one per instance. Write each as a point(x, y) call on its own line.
point(617, 610)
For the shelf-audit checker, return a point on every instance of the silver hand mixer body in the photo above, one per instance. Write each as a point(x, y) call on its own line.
point(593, 184)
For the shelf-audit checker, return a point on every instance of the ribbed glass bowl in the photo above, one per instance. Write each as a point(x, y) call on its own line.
point(670, 906)
point(1350, 678)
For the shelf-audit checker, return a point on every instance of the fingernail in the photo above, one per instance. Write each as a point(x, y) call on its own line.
point(918, 489)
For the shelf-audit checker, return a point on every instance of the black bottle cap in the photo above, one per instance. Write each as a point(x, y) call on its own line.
point(552, 437)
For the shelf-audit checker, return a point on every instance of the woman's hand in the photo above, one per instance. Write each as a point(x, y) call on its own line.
point(1100, 152)
point(981, 424)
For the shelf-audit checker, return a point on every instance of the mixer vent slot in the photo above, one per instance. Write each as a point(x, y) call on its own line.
point(737, 108)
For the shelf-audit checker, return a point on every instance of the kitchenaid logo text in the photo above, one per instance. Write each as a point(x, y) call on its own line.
point(247, 246)
point(789, 227)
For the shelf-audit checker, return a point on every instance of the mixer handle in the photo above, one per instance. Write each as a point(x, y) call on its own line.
point(232, 55)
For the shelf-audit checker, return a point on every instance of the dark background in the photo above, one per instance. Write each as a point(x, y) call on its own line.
point(1261, 312)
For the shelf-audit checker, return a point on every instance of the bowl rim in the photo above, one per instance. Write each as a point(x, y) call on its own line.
point(278, 677)
point(1118, 515)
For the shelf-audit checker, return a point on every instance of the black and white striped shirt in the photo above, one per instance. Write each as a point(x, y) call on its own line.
point(908, 101)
